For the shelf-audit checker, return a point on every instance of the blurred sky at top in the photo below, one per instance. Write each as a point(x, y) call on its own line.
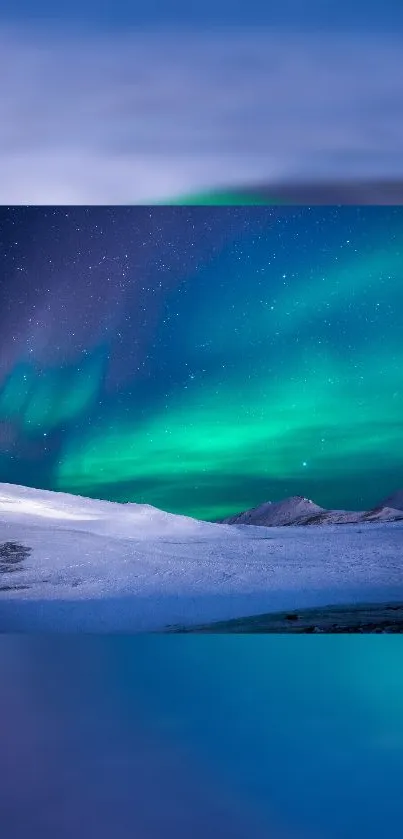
point(361, 14)
point(124, 103)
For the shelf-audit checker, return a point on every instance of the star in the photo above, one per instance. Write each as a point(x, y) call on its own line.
point(158, 352)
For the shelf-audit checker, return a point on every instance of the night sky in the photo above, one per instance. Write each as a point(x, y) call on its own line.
point(203, 359)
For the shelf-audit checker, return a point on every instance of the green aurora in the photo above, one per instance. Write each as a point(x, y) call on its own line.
point(274, 367)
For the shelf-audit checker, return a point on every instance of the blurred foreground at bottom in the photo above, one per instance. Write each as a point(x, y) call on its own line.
point(236, 737)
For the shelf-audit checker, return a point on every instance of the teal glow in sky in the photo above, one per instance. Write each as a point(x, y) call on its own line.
point(203, 359)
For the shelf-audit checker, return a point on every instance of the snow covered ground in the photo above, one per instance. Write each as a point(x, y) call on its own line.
point(99, 566)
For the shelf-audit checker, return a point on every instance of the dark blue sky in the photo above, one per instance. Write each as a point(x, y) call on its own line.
point(364, 14)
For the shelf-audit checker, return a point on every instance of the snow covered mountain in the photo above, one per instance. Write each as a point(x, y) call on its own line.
point(302, 511)
point(77, 564)
point(275, 514)
point(395, 500)
point(103, 518)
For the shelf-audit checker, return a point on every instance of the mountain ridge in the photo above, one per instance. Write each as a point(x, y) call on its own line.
point(294, 510)
point(298, 510)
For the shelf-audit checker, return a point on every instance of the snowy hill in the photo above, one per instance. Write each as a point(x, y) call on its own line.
point(302, 511)
point(103, 518)
point(76, 564)
point(382, 513)
point(274, 514)
point(395, 501)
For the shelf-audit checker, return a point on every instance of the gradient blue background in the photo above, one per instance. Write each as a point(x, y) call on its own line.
point(290, 13)
point(233, 737)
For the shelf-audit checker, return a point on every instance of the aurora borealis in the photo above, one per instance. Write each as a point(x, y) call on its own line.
point(203, 359)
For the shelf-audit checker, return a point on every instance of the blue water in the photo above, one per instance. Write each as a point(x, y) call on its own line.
point(182, 736)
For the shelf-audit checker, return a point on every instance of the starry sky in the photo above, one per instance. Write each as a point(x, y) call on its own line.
point(203, 359)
